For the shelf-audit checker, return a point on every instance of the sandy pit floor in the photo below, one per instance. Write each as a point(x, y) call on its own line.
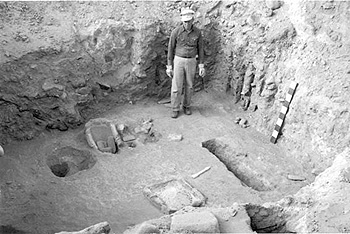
point(34, 200)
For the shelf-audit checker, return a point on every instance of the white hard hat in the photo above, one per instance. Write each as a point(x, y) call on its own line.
point(187, 14)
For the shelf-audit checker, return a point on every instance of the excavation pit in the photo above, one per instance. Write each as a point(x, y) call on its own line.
point(51, 79)
point(67, 161)
point(264, 169)
point(239, 164)
point(267, 219)
point(60, 170)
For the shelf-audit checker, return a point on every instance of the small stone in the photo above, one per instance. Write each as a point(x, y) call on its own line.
point(268, 12)
point(48, 85)
point(147, 228)
point(149, 120)
point(231, 24)
point(233, 212)
point(263, 213)
point(286, 201)
point(295, 177)
point(328, 5)
point(253, 107)
point(147, 127)
point(64, 95)
point(164, 101)
point(128, 137)
point(237, 120)
point(197, 89)
point(175, 137)
point(99, 228)
point(121, 127)
point(273, 4)
point(7, 54)
point(243, 122)
point(197, 222)
point(271, 87)
point(132, 144)
point(138, 130)
point(316, 171)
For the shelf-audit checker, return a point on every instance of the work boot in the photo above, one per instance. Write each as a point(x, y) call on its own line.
point(174, 114)
point(187, 111)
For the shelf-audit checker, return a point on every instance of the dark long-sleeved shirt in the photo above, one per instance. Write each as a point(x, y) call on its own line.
point(185, 44)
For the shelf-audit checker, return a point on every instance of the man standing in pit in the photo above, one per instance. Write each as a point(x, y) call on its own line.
point(185, 44)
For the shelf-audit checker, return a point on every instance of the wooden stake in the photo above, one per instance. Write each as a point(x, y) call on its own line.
point(194, 176)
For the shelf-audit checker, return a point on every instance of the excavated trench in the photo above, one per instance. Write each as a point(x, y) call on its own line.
point(256, 175)
point(234, 163)
point(265, 169)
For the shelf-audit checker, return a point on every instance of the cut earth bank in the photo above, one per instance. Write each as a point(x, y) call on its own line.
point(63, 63)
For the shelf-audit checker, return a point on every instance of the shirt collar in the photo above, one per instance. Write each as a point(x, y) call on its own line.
point(184, 30)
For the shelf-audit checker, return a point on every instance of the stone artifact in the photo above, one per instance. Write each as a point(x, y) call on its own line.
point(172, 195)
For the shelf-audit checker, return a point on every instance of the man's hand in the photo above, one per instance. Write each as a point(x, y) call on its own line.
point(169, 71)
point(201, 70)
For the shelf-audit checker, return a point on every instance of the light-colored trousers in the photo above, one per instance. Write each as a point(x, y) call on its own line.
point(184, 72)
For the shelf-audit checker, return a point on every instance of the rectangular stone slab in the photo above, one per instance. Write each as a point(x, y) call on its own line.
point(172, 195)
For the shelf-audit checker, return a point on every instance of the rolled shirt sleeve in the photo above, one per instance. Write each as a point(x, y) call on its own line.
point(171, 47)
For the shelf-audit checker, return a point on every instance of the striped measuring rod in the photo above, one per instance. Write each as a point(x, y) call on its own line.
point(283, 111)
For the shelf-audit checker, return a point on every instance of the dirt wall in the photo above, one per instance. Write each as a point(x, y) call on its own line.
point(284, 41)
point(63, 61)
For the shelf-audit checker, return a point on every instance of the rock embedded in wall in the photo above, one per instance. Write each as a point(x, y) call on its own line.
point(100, 228)
point(280, 30)
point(273, 4)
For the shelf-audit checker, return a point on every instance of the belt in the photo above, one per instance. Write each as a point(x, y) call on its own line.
point(185, 56)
